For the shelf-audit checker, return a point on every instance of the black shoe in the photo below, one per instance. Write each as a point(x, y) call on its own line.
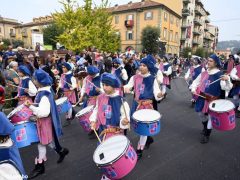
point(39, 169)
point(62, 154)
point(139, 153)
point(67, 122)
point(73, 113)
point(204, 139)
point(149, 142)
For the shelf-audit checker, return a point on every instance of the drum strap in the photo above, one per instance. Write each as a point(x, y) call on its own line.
point(209, 97)
point(110, 130)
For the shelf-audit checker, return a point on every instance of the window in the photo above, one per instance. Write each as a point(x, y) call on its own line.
point(171, 36)
point(165, 33)
point(165, 16)
point(130, 17)
point(171, 19)
point(148, 15)
point(11, 31)
point(129, 35)
point(116, 19)
point(176, 37)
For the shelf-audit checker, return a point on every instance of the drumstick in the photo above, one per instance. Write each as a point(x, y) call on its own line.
point(15, 86)
point(200, 95)
point(10, 99)
point(104, 136)
point(125, 114)
point(97, 136)
point(214, 81)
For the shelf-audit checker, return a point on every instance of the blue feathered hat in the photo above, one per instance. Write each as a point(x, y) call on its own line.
point(116, 60)
point(92, 70)
point(150, 65)
point(42, 77)
point(67, 65)
point(24, 70)
point(216, 59)
point(6, 128)
point(110, 80)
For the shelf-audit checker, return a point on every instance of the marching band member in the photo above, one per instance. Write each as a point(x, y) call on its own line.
point(26, 89)
point(166, 69)
point(9, 153)
point(120, 73)
point(210, 92)
point(89, 86)
point(48, 122)
point(145, 89)
point(68, 84)
point(111, 113)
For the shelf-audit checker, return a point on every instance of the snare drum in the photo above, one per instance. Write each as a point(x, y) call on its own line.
point(63, 105)
point(21, 113)
point(115, 157)
point(83, 117)
point(25, 133)
point(146, 122)
point(222, 114)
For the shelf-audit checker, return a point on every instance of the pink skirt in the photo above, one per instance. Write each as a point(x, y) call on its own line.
point(71, 96)
point(45, 130)
point(205, 107)
point(166, 80)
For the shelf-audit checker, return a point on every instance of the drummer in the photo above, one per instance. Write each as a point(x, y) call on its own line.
point(121, 73)
point(68, 84)
point(8, 151)
point(26, 90)
point(111, 113)
point(146, 88)
point(210, 92)
point(48, 122)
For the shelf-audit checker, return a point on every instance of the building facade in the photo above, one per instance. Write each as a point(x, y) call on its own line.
point(130, 19)
point(7, 28)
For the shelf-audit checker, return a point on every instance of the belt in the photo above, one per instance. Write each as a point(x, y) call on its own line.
point(208, 97)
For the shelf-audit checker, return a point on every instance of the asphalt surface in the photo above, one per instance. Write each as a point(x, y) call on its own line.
point(176, 153)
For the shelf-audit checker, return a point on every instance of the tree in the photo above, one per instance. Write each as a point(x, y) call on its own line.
point(50, 34)
point(86, 26)
point(150, 39)
point(16, 43)
point(186, 52)
point(200, 52)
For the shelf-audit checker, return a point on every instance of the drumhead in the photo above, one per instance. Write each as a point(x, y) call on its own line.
point(61, 100)
point(111, 150)
point(17, 109)
point(221, 105)
point(85, 110)
point(9, 170)
point(146, 115)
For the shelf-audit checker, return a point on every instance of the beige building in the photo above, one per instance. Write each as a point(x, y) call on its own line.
point(195, 26)
point(131, 18)
point(7, 28)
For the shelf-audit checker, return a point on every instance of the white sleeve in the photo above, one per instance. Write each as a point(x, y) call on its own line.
point(187, 74)
point(123, 115)
point(32, 90)
point(196, 83)
point(203, 70)
point(159, 77)
point(226, 85)
point(74, 83)
point(130, 84)
point(156, 90)
point(233, 74)
point(169, 71)
point(43, 109)
point(83, 90)
point(93, 117)
point(124, 76)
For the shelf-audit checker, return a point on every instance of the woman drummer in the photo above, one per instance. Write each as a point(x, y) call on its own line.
point(146, 88)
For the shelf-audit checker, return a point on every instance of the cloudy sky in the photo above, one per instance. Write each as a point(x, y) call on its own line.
point(224, 13)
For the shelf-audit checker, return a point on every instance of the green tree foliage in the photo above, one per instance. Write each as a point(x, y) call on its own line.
point(50, 34)
point(150, 39)
point(14, 42)
point(86, 26)
point(200, 52)
point(186, 52)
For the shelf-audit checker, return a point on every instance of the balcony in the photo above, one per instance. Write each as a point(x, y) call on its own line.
point(185, 25)
point(186, 1)
point(199, 2)
point(129, 23)
point(198, 22)
point(206, 28)
point(196, 42)
point(208, 37)
point(199, 11)
point(185, 12)
point(183, 38)
point(197, 32)
point(207, 20)
point(12, 34)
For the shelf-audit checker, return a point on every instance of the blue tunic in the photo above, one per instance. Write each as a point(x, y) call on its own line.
point(24, 84)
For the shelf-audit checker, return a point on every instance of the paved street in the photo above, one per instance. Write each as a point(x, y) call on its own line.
point(175, 155)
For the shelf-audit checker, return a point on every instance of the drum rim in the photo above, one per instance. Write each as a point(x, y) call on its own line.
point(61, 98)
point(221, 111)
point(77, 115)
point(22, 122)
point(147, 122)
point(116, 159)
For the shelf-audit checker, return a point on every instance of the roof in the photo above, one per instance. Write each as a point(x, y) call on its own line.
point(139, 6)
point(30, 24)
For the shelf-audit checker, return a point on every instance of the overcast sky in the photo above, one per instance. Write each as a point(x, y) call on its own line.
point(224, 13)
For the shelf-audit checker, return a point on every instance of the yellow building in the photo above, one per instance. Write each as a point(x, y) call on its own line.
point(7, 30)
point(131, 18)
